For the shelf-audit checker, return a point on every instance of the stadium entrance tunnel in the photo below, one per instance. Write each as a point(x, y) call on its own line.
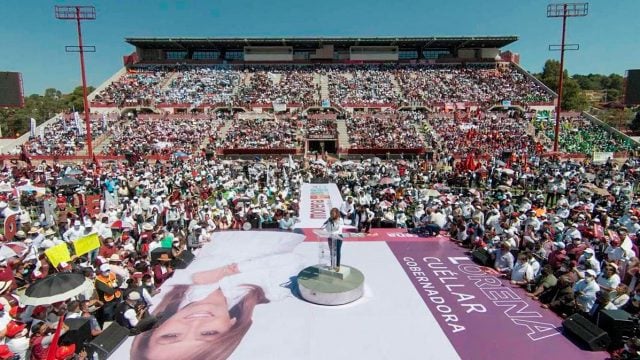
point(132, 112)
point(320, 146)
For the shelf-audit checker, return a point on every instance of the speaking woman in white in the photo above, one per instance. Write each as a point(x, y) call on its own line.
point(333, 226)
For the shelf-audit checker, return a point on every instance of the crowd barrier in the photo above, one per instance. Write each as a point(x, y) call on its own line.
point(382, 151)
point(244, 151)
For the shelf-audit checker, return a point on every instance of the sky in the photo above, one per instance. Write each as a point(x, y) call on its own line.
point(32, 40)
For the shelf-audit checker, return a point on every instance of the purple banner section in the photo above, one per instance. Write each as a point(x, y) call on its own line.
point(483, 316)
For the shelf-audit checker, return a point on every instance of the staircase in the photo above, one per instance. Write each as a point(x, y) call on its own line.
point(317, 83)
point(324, 87)
point(223, 132)
point(164, 84)
point(98, 149)
point(247, 79)
point(396, 87)
point(343, 134)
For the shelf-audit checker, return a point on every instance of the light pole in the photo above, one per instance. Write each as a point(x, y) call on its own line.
point(564, 11)
point(79, 13)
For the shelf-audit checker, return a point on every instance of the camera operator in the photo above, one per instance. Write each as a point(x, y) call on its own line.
point(132, 314)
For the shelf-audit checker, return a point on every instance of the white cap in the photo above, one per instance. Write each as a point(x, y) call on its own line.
point(590, 273)
point(105, 268)
point(134, 295)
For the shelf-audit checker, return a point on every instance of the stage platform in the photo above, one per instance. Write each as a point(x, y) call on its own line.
point(423, 299)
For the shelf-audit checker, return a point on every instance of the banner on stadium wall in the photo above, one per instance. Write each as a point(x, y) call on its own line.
point(10, 227)
point(57, 254)
point(279, 107)
point(85, 244)
point(316, 201)
point(601, 157)
point(326, 103)
point(93, 204)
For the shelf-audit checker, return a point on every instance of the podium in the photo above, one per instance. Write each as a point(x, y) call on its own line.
point(323, 284)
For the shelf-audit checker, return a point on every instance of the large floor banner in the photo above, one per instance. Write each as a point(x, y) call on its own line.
point(316, 200)
point(422, 300)
point(480, 311)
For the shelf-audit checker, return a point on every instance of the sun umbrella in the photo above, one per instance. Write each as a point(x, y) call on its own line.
point(430, 193)
point(7, 252)
point(385, 181)
point(67, 181)
point(55, 288)
point(72, 172)
point(116, 224)
point(17, 246)
point(387, 191)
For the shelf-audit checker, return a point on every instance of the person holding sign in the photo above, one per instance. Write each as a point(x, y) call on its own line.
point(333, 226)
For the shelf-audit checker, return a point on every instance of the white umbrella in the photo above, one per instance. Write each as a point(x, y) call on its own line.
point(7, 252)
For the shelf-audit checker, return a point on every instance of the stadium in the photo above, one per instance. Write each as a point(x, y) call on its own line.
point(207, 193)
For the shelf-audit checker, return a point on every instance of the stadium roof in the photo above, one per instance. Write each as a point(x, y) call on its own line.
point(213, 43)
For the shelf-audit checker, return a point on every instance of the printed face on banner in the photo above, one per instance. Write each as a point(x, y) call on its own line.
point(208, 307)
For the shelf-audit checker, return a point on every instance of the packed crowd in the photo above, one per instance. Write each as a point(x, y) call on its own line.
point(181, 204)
point(278, 133)
point(162, 136)
point(64, 136)
point(486, 85)
point(201, 85)
point(393, 130)
point(347, 84)
point(138, 87)
point(579, 135)
point(280, 85)
point(321, 126)
point(482, 134)
point(361, 85)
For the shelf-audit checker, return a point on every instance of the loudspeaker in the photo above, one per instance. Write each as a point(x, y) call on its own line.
point(79, 333)
point(156, 253)
point(184, 260)
point(482, 257)
point(617, 323)
point(270, 225)
point(585, 333)
point(110, 339)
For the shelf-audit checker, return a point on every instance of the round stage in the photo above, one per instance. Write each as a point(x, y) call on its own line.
point(322, 286)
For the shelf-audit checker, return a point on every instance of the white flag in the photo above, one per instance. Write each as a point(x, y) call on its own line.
point(32, 132)
point(104, 121)
point(76, 119)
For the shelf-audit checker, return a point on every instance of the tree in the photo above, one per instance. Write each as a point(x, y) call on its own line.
point(41, 108)
point(74, 100)
point(572, 96)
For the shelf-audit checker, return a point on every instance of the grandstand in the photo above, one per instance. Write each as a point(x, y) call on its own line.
point(348, 96)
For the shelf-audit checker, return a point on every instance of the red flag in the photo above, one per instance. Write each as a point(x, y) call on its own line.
point(10, 227)
point(53, 348)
